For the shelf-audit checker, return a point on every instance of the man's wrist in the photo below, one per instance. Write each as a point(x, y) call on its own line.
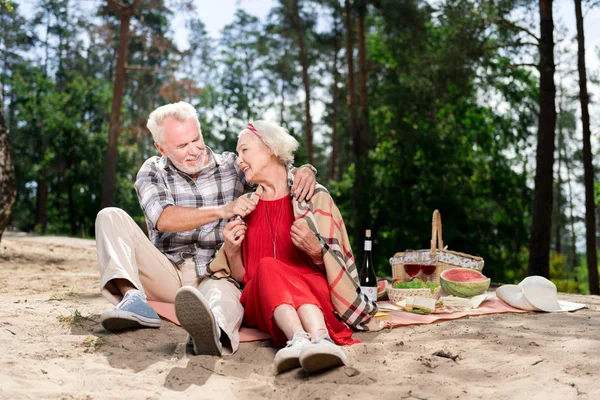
point(222, 212)
point(313, 169)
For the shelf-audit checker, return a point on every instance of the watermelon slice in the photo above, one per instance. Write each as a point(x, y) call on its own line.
point(462, 282)
point(382, 286)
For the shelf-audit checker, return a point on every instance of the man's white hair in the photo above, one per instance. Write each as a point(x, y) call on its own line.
point(282, 144)
point(181, 111)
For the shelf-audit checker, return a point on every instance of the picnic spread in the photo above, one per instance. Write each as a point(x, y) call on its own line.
point(437, 284)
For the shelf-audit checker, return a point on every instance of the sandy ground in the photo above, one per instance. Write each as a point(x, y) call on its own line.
point(52, 347)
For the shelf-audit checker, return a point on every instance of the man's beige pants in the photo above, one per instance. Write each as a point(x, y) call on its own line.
point(124, 252)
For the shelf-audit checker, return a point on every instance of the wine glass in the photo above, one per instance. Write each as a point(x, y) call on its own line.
point(412, 263)
point(428, 265)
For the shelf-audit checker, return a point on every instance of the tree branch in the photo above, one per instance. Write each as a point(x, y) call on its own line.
point(139, 68)
point(510, 44)
point(512, 25)
point(512, 66)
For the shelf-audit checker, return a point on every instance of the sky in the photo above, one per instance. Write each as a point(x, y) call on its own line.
point(218, 13)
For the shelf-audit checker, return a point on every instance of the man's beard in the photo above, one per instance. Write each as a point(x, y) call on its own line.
point(191, 170)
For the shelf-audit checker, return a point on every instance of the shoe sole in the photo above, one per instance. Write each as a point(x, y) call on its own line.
point(118, 320)
point(313, 361)
point(287, 364)
point(195, 317)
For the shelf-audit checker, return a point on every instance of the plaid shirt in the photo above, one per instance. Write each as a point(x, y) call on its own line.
point(160, 185)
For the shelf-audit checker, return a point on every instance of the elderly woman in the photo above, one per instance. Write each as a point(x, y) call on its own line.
point(290, 273)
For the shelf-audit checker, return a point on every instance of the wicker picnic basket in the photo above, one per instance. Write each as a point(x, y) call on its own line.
point(446, 259)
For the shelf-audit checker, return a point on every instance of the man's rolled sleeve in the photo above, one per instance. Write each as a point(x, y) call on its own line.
point(153, 193)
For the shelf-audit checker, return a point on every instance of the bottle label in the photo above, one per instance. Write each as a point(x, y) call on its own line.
point(370, 291)
point(367, 245)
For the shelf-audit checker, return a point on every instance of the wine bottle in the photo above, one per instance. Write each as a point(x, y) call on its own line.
point(368, 279)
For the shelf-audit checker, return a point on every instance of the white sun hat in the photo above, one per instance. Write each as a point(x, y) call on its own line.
point(535, 293)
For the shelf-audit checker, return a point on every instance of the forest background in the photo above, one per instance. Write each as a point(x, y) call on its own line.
point(477, 108)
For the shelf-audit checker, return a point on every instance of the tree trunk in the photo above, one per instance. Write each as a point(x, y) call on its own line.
point(558, 189)
point(350, 95)
point(335, 146)
point(539, 247)
point(571, 217)
point(362, 77)
point(42, 189)
point(305, 80)
point(588, 167)
point(283, 81)
point(109, 179)
point(8, 186)
point(357, 143)
point(362, 134)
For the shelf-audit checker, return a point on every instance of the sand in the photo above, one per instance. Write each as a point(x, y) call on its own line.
point(52, 347)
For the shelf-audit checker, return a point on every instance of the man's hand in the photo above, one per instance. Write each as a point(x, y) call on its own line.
point(241, 206)
point(234, 234)
point(304, 183)
point(304, 239)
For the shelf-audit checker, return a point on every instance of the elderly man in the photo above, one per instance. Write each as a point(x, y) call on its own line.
point(187, 195)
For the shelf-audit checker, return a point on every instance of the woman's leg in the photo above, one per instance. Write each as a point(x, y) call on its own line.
point(323, 353)
point(313, 321)
point(287, 320)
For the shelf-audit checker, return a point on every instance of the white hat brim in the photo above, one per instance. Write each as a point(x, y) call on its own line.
point(562, 306)
point(513, 295)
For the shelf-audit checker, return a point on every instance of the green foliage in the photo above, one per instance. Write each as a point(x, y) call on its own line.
point(8, 5)
point(93, 342)
point(581, 276)
point(437, 147)
point(452, 116)
point(75, 318)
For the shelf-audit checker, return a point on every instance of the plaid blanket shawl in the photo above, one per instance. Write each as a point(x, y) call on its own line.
point(325, 220)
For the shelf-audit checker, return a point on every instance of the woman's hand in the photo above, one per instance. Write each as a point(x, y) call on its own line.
point(233, 236)
point(305, 239)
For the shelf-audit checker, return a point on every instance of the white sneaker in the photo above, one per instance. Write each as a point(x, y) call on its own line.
point(322, 354)
point(288, 357)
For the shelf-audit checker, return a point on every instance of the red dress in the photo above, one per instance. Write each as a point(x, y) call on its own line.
point(292, 278)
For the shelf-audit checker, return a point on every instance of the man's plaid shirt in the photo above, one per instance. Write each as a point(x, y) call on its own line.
point(160, 185)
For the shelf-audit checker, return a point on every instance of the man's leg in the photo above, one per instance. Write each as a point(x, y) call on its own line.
point(128, 260)
point(212, 315)
point(223, 297)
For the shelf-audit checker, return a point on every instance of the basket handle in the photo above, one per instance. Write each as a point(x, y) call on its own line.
point(436, 232)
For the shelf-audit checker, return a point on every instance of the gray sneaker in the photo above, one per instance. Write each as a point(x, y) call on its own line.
point(132, 312)
point(322, 354)
point(289, 357)
point(197, 319)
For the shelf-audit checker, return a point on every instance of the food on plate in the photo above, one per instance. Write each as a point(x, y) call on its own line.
point(418, 304)
point(414, 284)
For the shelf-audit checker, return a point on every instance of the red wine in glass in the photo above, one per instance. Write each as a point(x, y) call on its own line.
point(412, 270)
point(428, 270)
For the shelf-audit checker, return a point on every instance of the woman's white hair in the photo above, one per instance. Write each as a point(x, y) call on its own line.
point(282, 144)
point(181, 111)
